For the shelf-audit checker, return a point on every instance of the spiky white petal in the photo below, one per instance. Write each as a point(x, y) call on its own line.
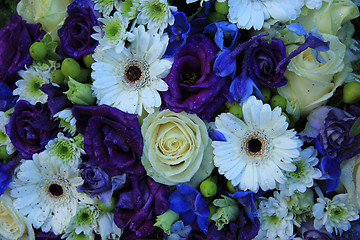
point(4, 138)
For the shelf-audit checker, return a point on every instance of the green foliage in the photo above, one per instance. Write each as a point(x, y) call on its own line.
point(7, 8)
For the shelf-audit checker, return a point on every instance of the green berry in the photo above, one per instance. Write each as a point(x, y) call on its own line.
point(222, 7)
point(236, 109)
point(230, 187)
point(213, 210)
point(37, 50)
point(58, 77)
point(208, 188)
point(105, 208)
point(216, 17)
point(88, 60)
point(266, 92)
point(70, 68)
point(84, 75)
point(351, 92)
point(278, 101)
point(3, 154)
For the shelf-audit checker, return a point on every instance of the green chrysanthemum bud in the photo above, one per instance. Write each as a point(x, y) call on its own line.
point(351, 92)
point(165, 220)
point(227, 211)
point(37, 50)
point(80, 93)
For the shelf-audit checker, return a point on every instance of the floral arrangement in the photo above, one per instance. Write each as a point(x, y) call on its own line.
point(156, 119)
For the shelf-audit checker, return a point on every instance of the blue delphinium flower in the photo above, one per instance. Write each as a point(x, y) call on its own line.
point(224, 32)
point(5, 177)
point(191, 205)
point(177, 33)
point(179, 231)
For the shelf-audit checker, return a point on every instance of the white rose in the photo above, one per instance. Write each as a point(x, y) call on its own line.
point(350, 179)
point(12, 224)
point(50, 13)
point(310, 83)
point(177, 148)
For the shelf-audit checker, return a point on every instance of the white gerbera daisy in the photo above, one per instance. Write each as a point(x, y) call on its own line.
point(252, 13)
point(276, 222)
point(305, 173)
point(65, 149)
point(129, 8)
point(335, 214)
point(45, 191)
point(156, 14)
point(4, 138)
point(131, 79)
point(67, 120)
point(106, 6)
point(257, 149)
point(113, 32)
point(29, 86)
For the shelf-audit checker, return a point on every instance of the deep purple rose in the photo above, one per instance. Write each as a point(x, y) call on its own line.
point(30, 127)
point(99, 183)
point(15, 41)
point(193, 85)
point(138, 206)
point(113, 138)
point(75, 34)
point(57, 100)
point(264, 59)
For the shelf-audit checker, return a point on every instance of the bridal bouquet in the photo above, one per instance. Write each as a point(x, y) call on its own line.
point(180, 119)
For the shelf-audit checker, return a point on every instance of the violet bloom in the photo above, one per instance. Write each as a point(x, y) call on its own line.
point(30, 127)
point(112, 138)
point(7, 99)
point(99, 183)
point(5, 177)
point(139, 203)
point(75, 34)
point(15, 41)
point(57, 100)
point(193, 85)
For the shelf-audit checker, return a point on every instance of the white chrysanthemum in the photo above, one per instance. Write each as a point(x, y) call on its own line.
point(257, 149)
point(276, 222)
point(107, 227)
point(29, 86)
point(65, 149)
point(314, 4)
point(45, 192)
point(67, 120)
point(113, 32)
point(4, 138)
point(156, 14)
point(129, 8)
point(106, 6)
point(335, 214)
point(84, 221)
point(305, 173)
point(252, 13)
point(131, 79)
point(201, 2)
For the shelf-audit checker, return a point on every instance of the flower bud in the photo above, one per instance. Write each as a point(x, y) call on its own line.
point(236, 109)
point(105, 208)
point(351, 92)
point(208, 187)
point(37, 50)
point(227, 211)
point(80, 93)
point(278, 101)
point(165, 220)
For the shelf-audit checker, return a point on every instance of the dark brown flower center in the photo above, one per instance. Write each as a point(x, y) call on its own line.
point(133, 73)
point(56, 190)
point(254, 145)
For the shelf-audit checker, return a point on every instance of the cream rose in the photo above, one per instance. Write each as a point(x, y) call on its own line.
point(12, 224)
point(310, 83)
point(50, 13)
point(177, 148)
point(350, 178)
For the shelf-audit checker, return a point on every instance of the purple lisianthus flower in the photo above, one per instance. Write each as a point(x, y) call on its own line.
point(99, 183)
point(193, 85)
point(57, 100)
point(191, 205)
point(15, 41)
point(5, 177)
point(139, 203)
point(112, 138)
point(7, 99)
point(30, 127)
point(75, 34)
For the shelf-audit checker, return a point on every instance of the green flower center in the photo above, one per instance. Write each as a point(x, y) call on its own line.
point(34, 86)
point(84, 217)
point(64, 150)
point(273, 219)
point(126, 6)
point(300, 170)
point(3, 137)
point(105, 3)
point(338, 213)
point(157, 10)
point(113, 30)
point(80, 236)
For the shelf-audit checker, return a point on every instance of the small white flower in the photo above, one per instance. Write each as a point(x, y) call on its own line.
point(258, 149)
point(252, 13)
point(305, 173)
point(106, 6)
point(65, 149)
point(29, 86)
point(156, 14)
point(45, 191)
point(67, 120)
point(276, 222)
point(4, 138)
point(131, 79)
point(113, 32)
point(107, 227)
point(335, 214)
point(314, 4)
point(129, 8)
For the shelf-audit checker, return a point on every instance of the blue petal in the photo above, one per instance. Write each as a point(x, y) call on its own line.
point(225, 64)
point(297, 28)
point(241, 88)
point(188, 217)
point(179, 203)
point(203, 223)
point(318, 56)
point(216, 135)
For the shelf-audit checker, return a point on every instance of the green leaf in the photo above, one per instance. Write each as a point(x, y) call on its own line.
point(355, 129)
